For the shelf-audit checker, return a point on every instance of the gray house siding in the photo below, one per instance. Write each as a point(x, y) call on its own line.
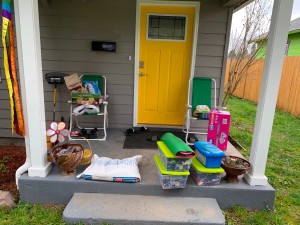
point(67, 29)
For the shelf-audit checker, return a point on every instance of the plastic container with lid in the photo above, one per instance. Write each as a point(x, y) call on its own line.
point(170, 179)
point(170, 161)
point(208, 154)
point(205, 176)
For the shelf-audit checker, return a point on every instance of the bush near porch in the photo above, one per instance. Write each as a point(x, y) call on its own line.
point(282, 171)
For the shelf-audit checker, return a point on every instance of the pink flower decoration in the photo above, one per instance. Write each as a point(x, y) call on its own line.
point(57, 132)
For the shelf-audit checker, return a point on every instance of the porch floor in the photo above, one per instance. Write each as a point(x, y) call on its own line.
point(58, 189)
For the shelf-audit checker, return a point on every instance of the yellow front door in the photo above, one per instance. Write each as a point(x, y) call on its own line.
point(166, 37)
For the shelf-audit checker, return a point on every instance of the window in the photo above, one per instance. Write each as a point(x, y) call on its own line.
point(166, 27)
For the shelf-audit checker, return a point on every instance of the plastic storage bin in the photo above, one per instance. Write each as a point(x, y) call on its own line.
point(208, 154)
point(170, 179)
point(205, 176)
point(170, 161)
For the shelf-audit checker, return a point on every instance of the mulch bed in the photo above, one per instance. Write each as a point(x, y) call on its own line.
point(11, 158)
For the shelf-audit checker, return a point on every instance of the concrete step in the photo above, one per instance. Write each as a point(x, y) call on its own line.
point(94, 208)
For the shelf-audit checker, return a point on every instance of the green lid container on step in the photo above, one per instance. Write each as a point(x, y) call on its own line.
point(201, 168)
point(170, 179)
point(164, 171)
point(205, 176)
point(170, 161)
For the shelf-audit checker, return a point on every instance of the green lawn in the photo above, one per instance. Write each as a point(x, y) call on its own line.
point(282, 167)
point(25, 214)
point(282, 171)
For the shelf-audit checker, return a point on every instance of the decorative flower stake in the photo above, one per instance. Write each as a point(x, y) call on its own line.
point(57, 132)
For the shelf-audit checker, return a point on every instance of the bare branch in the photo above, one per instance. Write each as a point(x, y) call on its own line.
point(246, 47)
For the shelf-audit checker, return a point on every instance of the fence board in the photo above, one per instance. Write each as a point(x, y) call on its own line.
point(289, 91)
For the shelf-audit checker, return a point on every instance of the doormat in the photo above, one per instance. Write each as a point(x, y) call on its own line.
point(142, 140)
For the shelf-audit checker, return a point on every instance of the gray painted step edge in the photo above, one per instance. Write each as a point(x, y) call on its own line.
point(94, 208)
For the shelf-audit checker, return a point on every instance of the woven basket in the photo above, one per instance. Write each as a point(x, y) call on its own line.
point(67, 162)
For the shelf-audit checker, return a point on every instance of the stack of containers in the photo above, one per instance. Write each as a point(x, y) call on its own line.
point(172, 171)
point(206, 167)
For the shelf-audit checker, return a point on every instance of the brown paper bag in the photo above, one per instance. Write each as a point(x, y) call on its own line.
point(73, 83)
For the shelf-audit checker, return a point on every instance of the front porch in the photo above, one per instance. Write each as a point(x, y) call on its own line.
point(58, 189)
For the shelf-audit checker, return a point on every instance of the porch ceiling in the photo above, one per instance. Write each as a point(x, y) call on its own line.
point(234, 3)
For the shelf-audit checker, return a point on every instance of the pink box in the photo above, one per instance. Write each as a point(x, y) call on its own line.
point(218, 128)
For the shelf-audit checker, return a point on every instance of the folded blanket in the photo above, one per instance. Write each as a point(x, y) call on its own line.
point(116, 170)
point(179, 148)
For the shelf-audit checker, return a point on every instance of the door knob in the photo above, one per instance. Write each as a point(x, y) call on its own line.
point(142, 74)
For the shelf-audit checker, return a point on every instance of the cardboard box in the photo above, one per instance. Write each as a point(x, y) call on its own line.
point(218, 128)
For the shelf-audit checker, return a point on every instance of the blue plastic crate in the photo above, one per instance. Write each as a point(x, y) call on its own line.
point(208, 154)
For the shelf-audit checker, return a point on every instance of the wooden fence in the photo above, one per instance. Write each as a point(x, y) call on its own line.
point(289, 91)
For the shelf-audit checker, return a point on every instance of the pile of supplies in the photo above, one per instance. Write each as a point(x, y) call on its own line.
point(85, 93)
point(206, 167)
point(201, 111)
point(173, 161)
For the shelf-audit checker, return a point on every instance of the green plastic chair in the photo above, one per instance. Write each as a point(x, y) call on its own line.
point(102, 103)
point(200, 93)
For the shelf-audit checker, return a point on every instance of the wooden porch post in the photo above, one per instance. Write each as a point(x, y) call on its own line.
point(30, 69)
point(281, 16)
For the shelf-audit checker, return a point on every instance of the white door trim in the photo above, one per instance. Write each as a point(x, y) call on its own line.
point(140, 3)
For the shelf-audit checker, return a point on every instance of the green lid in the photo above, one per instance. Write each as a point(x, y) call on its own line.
point(84, 95)
point(163, 170)
point(202, 169)
point(165, 150)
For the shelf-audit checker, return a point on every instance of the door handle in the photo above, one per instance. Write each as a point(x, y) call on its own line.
point(142, 74)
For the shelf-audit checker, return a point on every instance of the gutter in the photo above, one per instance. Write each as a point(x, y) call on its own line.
point(22, 169)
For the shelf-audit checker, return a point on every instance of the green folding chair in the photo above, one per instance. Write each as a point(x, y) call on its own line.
point(98, 109)
point(200, 93)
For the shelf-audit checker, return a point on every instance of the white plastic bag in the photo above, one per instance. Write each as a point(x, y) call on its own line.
point(116, 170)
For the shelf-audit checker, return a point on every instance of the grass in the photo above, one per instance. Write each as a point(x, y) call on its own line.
point(282, 167)
point(24, 214)
point(32, 214)
point(282, 171)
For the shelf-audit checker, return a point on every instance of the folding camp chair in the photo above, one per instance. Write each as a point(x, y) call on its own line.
point(200, 93)
point(87, 105)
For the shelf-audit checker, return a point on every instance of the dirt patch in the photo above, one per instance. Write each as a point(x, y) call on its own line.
point(11, 158)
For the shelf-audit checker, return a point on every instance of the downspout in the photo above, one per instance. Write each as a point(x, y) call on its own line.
point(22, 169)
